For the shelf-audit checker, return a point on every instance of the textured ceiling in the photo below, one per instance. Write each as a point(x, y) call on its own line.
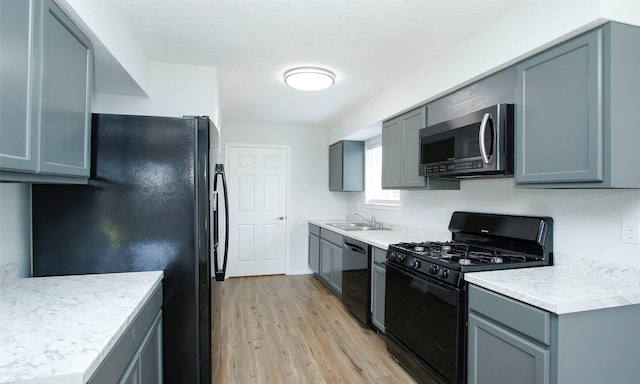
point(368, 45)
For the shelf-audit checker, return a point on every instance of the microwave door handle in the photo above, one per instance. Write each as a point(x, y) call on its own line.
point(483, 129)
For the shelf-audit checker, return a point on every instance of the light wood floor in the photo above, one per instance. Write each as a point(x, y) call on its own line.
point(292, 329)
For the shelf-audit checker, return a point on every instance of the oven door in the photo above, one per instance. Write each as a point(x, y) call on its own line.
point(425, 325)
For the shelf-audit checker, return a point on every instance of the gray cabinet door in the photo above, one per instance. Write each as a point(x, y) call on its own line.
point(335, 166)
point(146, 366)
point(496, 355)
point(314, 253)
point(331, 265)
point(336, 268)
point(66, 96)
point(325, 261)
point(132, 374)
point(392, 153)
point(378, 277)
point(346, 166)
point(150, 355)
point(559, 113)
point(412, 123)
point(401, 150)
point(401, 154)
point(46, 73)
point(19, 79)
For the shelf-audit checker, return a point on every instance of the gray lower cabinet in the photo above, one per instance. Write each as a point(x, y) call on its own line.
point(146, 367)
point(513, 342)
point(331, 265)
point(378, 278)
point(45, 94)
point(137, 356)
point(346, 166)
point(325, 246)
point(500, 356)
point(325, 261)
point(508, 341)
point(401, 154)
point(314, 248)
point(576, 112)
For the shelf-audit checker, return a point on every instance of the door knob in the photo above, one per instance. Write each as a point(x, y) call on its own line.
point(281, 218)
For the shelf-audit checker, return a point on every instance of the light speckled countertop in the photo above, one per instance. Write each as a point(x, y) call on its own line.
point(59, 329)
point(572, 284)
point(393, 234)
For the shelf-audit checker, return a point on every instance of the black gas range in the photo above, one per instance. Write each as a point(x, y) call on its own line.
point(425, 298)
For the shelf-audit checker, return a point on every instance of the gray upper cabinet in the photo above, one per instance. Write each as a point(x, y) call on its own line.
point(19, 80)
point(346, 166)
point(45, 131)
point(576, 112)
point(66, 96)
point(401, 154)
point(401, 150)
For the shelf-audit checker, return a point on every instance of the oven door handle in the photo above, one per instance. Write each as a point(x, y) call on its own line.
point(409, 272)
point(483, 129)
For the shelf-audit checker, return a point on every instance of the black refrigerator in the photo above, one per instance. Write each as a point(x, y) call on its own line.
point(151, 204)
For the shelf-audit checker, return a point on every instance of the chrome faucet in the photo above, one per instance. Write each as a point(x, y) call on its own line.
point(372, 221)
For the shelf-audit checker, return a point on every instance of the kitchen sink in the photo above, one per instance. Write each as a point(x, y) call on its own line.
point(355, 227)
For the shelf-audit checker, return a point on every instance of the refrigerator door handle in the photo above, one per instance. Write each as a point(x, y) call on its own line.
point(221, 272)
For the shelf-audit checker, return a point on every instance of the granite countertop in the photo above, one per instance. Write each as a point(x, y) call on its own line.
point(572, 284)
point(392, 234)
point(59, 329)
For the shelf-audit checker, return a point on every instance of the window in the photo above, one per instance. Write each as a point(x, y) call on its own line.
point(373, 176)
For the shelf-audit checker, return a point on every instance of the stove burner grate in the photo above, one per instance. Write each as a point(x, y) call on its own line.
point(461, 253)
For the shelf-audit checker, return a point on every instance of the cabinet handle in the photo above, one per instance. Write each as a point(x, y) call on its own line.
point(483, 128)
point(281, 218)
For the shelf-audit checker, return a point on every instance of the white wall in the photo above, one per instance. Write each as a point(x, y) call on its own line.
point(174, 90)
point(15, 230)
point(121, 64)
point(587, 223)
point(309, 195)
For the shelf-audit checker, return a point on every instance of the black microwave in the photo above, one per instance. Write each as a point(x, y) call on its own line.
point(479, 144)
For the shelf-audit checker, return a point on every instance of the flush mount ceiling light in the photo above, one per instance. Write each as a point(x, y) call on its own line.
point(309, 78)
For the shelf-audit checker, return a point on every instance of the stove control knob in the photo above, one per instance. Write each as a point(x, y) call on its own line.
point(400, 257)
point(415, 264)
point(433, 269)
point(444, 273)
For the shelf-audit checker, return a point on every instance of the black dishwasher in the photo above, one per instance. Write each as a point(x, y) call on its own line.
point(356, 278)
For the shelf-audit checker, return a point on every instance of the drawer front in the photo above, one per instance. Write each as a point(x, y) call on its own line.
point(314, 229)
point(332, 237)
point(530, 321)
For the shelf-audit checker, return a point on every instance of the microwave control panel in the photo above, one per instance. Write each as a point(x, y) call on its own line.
point(467, 165)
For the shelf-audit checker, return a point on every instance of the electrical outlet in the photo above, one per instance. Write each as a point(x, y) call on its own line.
point(631, 232)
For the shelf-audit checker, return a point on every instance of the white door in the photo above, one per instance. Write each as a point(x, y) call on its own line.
point(257, 178)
